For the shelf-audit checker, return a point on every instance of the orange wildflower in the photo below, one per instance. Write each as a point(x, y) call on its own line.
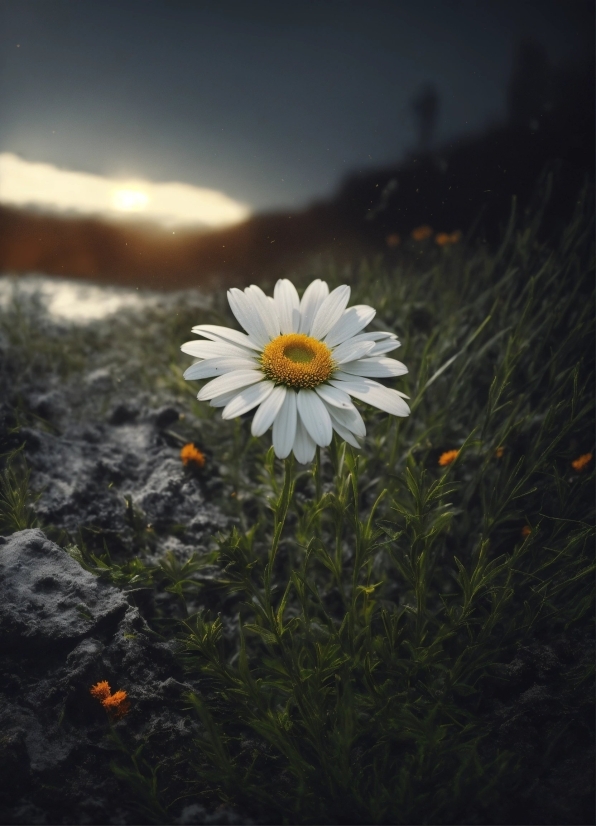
point(499, 452)
point(448, 457)
point(192, 455)
point(422, 233)
point(393, 240)
point(101, 690)
point(115, 704)
point(526, 530)
point(444, 239)
point(580, 463)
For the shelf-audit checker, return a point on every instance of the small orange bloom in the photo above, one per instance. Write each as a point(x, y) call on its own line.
point(101, 690)
point(444, 239)
point(526, 530)
point(580, 463)
point(448, 457)
point(121, 710)
point(422, 233)
point(499, 452)
point(192, 455)
point(114, 699)
point(115, 704)
point(393, 240)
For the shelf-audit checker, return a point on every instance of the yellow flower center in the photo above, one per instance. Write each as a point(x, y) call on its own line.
point(297, 360)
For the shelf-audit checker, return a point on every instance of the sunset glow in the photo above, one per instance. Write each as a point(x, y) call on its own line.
point(130, 200)
point(43, 186)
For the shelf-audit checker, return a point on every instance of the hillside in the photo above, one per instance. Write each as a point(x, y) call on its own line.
point(467, 185)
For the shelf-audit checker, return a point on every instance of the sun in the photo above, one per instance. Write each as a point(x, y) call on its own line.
point(26, 184)
point(129, 200)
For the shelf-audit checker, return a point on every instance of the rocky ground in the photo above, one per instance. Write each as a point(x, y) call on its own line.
point(106, 474)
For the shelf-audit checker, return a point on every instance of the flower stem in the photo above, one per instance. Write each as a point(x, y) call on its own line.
point(281, 512)
point(317, 475)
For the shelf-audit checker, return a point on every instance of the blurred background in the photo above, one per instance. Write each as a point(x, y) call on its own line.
point(168, 144)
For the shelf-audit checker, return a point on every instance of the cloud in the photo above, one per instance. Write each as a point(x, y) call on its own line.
point(43, 186)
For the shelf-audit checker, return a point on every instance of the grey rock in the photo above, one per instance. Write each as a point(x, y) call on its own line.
point(100, 380)
point(197, 814)
point(47, 598)
point(54, 754)
point(166, 416)
point(92, 475)
point(123, 414)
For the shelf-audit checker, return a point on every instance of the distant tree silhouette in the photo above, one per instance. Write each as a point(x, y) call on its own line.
point(425, 108)
point(529, 89)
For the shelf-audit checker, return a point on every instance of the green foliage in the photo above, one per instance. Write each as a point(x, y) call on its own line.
point(378, 595)
point(140, 776)
point(17, 502)
point(359, 612)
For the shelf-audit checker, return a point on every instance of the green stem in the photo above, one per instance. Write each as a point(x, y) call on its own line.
point(317, 475)
point(392, 455)
point(281, 512)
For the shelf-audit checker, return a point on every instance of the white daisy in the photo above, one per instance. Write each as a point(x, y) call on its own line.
point(300, 363)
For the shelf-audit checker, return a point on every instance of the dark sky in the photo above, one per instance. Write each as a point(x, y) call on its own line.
point(270, 102)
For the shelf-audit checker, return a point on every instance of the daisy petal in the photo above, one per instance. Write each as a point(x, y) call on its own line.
point(266, 308)
point(373, 393)
point(235, 380)
point(221, 401)
point(374, 336)
point(351, 322)
point(314, 414)
point(304, 446)
point(268, 410)
point(351, 350)
point(210, 349)
point(350, 419)
point(288, 305)
point(247, 398)
point(334, 397)
point(344, 433)
point(330, 311)
point(340, 375)
point(217, 333)
point(384, 342)
point(248, 316)
point(284, 426)
point(314, 295)
point(217, 367)
point(385, 346)
point(379, 368)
